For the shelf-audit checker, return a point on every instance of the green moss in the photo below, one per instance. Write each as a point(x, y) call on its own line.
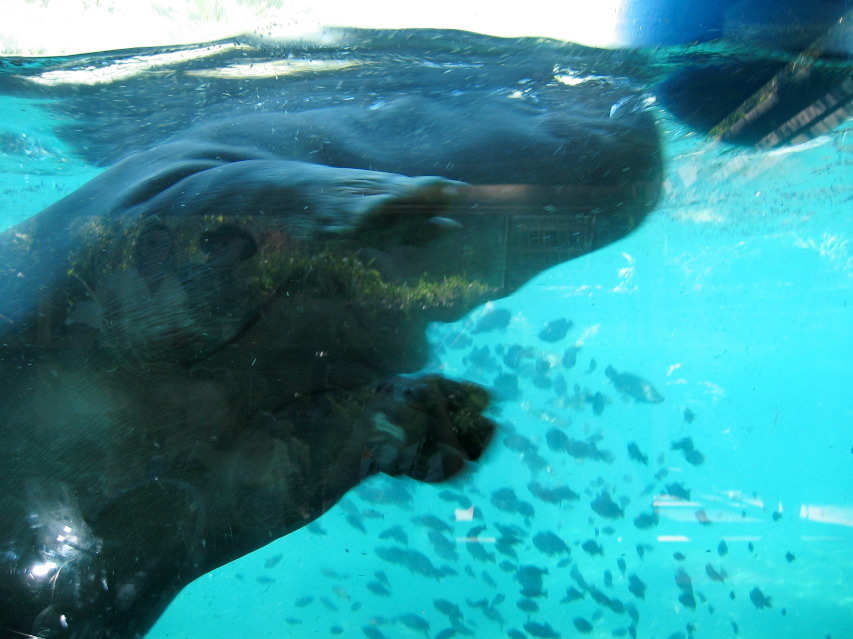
point(331, 275)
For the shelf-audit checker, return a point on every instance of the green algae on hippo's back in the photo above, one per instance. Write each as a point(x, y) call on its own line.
point(634, 386)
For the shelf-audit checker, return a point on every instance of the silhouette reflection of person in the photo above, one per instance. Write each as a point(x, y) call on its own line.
point(145, 304)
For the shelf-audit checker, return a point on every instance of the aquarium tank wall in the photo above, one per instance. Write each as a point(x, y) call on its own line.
point(359, 320)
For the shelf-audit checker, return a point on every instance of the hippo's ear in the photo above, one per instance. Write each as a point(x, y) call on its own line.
point(409, 211)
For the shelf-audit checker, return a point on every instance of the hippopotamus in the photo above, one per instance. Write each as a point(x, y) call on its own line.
point(207, 345)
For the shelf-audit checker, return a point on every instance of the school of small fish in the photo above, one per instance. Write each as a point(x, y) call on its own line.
point(600, 583)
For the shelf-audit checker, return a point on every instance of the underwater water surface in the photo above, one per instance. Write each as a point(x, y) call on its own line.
point(721, 508)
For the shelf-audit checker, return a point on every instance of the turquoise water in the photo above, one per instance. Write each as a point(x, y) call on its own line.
point(733, 300)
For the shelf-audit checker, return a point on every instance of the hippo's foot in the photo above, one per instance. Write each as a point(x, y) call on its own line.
point(426, 427)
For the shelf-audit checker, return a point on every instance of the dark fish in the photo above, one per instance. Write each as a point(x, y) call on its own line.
point(272, 562)
point(599, 401)
point(592, 547)
point(519, 443)
point(722, 549)
point(303, 601)
point(515, 354)
point(487, 579)
point(527, 605)
point(642, 548)
point(329, 605)
point(561, 386)
point(478, 551)
point(689, 451)
point(636, 587)
point(542, 381)
point(713, 575)
point(492, 320)
point(759, 600)
point(689, 415)
point(372, 633)
point(510, 535)
point(777, 515)
point(678, 490)
point(555, 330)
point(582, 625)
point(378, 589)
point(614, 604)
point(504, 499)
point(687, 598)
point(633, 386)
point(683, 581)
point(540, 630)
point(415, 622)
point(530, 578)
point(578, 577)
point(646, 520)
point(550, 544)
point(557, 440)
point(512, 633)
point(588, 449)
point(702, 517)
point(592, 366)
point(493, 614)
point(396, 533)
point(606, 507)
point(542, 365)
point(570, 357)
point(354, 520)
point(534, 461)
point(622, 565)
point(679, 556)
point(506, 386)
point(635, 454)
point(555, 495)
point(480, 357)
point(735, 628)
point(751, 547)
point(447, 633)
point(572, 594)
point(415, 561)
point(789, 556)
point(447, 608)
point(608, 578)
point(431, 521)
point(458, 498)
point(382, 577)
point(476, 530)
point(443, 547)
